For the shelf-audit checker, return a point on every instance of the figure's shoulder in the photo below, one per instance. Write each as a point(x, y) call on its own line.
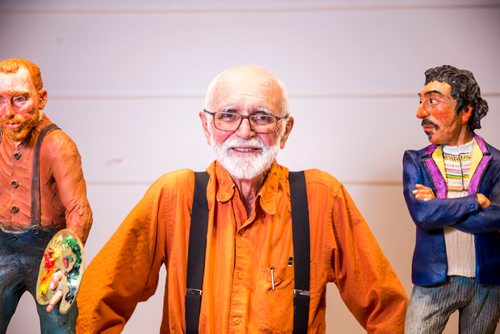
point(177, 179)
point(494, 164)
point(495, 152)
point(170, 188)
point(417, 152)
point(321, 178)
point(59, 140)
point(174, 184)
point(323, 188)
point(415, 157)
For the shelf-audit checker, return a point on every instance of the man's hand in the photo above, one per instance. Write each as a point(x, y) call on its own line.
point(483, 201)
point(54, 283)
point(423, 193)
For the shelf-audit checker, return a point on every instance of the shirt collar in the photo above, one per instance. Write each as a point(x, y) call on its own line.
point(225, 185)
point(268, 193)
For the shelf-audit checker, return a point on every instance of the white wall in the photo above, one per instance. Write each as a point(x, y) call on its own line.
point(126, 80)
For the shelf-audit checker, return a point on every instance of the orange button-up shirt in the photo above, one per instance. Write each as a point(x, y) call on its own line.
point(63, 193)
point(237, 289)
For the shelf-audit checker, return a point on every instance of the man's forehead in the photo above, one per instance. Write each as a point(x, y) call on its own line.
point(436, 87)
point(245, 98)
point(16, 81)
point(241, 88)
point(246, 81)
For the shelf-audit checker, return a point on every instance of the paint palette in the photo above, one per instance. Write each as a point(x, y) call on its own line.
point(63, 253)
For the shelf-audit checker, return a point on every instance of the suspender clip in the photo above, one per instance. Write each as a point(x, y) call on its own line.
point(297, 292)
point(190, 291)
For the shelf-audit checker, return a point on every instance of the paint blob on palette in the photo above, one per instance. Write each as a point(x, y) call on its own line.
point(63, 253)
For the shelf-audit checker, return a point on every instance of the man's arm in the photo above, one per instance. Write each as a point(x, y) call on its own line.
point(487, 218)
point(428, 212)
point(366, 281)
point(66, 168)
point(125, 271)
point(473, 214)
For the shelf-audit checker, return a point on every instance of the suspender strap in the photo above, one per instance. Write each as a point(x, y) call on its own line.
point(36, 213)
point(197, 248)
point(196, 252)
point(301, 250)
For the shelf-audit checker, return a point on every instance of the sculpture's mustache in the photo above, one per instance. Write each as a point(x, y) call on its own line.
point(426, 121)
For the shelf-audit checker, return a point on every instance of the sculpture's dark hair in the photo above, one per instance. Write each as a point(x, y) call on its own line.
point(464, 89)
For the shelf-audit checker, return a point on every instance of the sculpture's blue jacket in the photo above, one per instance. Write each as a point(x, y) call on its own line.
point(426, 167)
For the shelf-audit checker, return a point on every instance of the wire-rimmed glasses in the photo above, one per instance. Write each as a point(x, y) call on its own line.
point(260, 122)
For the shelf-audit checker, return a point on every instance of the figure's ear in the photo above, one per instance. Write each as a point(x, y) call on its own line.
point(288, 129)
point(466, 114)
point(42, 96)
point(204, 125)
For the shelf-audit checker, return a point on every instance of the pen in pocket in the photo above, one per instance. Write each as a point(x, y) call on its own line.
point(272, 277)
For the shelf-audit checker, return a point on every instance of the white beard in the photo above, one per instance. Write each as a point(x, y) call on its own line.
point(245, 168)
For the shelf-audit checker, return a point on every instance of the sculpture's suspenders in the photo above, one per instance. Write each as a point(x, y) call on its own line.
point(36, 206)
point(197, 247)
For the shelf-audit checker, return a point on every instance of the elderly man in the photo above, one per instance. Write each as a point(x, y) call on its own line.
point(246, 279)
point(452, 189)
point(42, 190)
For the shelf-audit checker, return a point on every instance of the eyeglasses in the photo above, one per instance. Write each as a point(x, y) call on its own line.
point(260, 122)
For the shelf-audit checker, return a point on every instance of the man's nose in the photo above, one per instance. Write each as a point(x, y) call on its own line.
point(8, 111)
point(245, 130)
point(422, 112)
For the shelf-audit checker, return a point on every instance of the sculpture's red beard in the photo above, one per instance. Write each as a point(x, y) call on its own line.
point(18, 128)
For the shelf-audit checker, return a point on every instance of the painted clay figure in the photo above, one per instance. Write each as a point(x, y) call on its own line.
point(42, 191)
point(452, 189)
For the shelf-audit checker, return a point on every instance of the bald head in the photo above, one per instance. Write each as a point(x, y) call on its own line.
point(249, 79)
point(251, 109)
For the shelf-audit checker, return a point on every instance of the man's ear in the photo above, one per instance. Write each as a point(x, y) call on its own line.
point(466, 114)
point(288, 129)
point(204, 125)
point(42, 99)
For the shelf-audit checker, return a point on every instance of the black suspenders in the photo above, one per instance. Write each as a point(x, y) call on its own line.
point(197, 247)
point(301, 250)
point(35, 181)
point(196, 252)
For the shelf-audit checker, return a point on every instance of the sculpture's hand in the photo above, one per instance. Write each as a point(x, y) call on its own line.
point(423, 193)
point(483, 201)
point(54, 284)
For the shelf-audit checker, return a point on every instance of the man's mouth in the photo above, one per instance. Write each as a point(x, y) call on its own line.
point(428, 125)
point(245, 149)
point(428, 128)
point(11, 126)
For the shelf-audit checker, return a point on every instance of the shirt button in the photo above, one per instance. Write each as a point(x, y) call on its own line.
point(15, 209)
point(237, 321)
point(472, 206)
point(240, 275)
point(14, 184)
point(17, 155)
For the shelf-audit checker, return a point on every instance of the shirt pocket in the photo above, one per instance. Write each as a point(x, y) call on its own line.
point(275, 306)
